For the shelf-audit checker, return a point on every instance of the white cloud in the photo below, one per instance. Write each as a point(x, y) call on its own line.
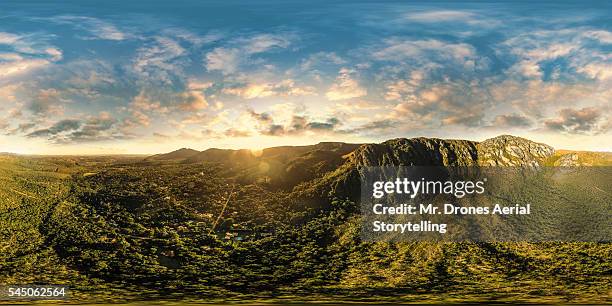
point(198, 85)
point(448, 103)
point(47, 102)
point(403, 88)
point(230, 58)
point(21, 66)
point(97, 28)
point(345, 87)
point(192, 100)
point(601, 35)
point(160, 60)
point(8, 38)
point(284, 88)
point(601, 71)
point(440, 16)
point(143, 102)
point(400, 49)
point(581, 49)
point(531, 56)
point(264, 42)
point(107, 31)
point(223, 59)
point(28, 53)
point(147, 104)
point(8, 92)
point(192, 38)
point(537, 97)
point(321, 58)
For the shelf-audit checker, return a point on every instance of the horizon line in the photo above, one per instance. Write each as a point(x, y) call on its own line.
point(299, 145)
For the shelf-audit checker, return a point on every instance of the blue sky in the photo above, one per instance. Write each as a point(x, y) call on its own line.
point(152, 76)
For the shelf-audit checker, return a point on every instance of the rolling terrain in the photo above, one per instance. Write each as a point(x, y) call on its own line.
point(281, 224)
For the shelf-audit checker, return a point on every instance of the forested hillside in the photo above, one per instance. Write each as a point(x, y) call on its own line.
point(280, 225)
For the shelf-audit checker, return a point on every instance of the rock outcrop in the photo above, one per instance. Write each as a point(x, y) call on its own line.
point(502, 151)
point(499, 151)
point(417, 152)
point(568, 160)
point(509, 150)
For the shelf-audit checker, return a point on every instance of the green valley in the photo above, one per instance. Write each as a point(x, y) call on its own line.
point(278, 226)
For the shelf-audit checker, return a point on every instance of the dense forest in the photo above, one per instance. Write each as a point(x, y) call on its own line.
point(277, 225)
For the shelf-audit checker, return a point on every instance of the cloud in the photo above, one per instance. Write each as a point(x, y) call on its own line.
point(264, 42)
point(160, 61)
point(22, 128)
point(511, 121)
point(440, 16)
point(442, 104)
point(21, 66)
point(236, 133)
point(9, 38)
point(439, 80)
point(47, 102)
point(140, 108)
point(223, 59)
point(192, 100)
point(193, 38)
point(97, 28)
point(345, 87)
point(535, 97)
point(198, 85)
point(59, 127)
point(588, 120)
point(8, 93)
point(143, 102)
point(378, 125)
point(357, 106)
point(401, 49)
point(529, 65)
point(597, 70)
point(321, 58)
point(87, 79)
point(373, 127)
point(28, 53)
point(299, 124)
point(239, 52)
point(137, 119)
point(148, 104)
point(284, 88)
point(404, 88)
point(161, 135)
point(260, 117)
point(602, 36)
point(92, 129)
point(464, 119)
point(572, 51)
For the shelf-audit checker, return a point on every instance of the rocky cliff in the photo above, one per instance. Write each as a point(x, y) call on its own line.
point(508, 150)
point(503, 150)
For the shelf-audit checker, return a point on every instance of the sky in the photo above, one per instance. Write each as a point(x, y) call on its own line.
point(143, 77)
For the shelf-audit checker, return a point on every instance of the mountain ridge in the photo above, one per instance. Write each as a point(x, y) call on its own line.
point(503, 150)
point(331, 166)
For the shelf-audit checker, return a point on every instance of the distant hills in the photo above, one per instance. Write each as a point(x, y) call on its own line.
point(179, 154)
point(504, 150)
point(281, 152)
point(286, 167)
